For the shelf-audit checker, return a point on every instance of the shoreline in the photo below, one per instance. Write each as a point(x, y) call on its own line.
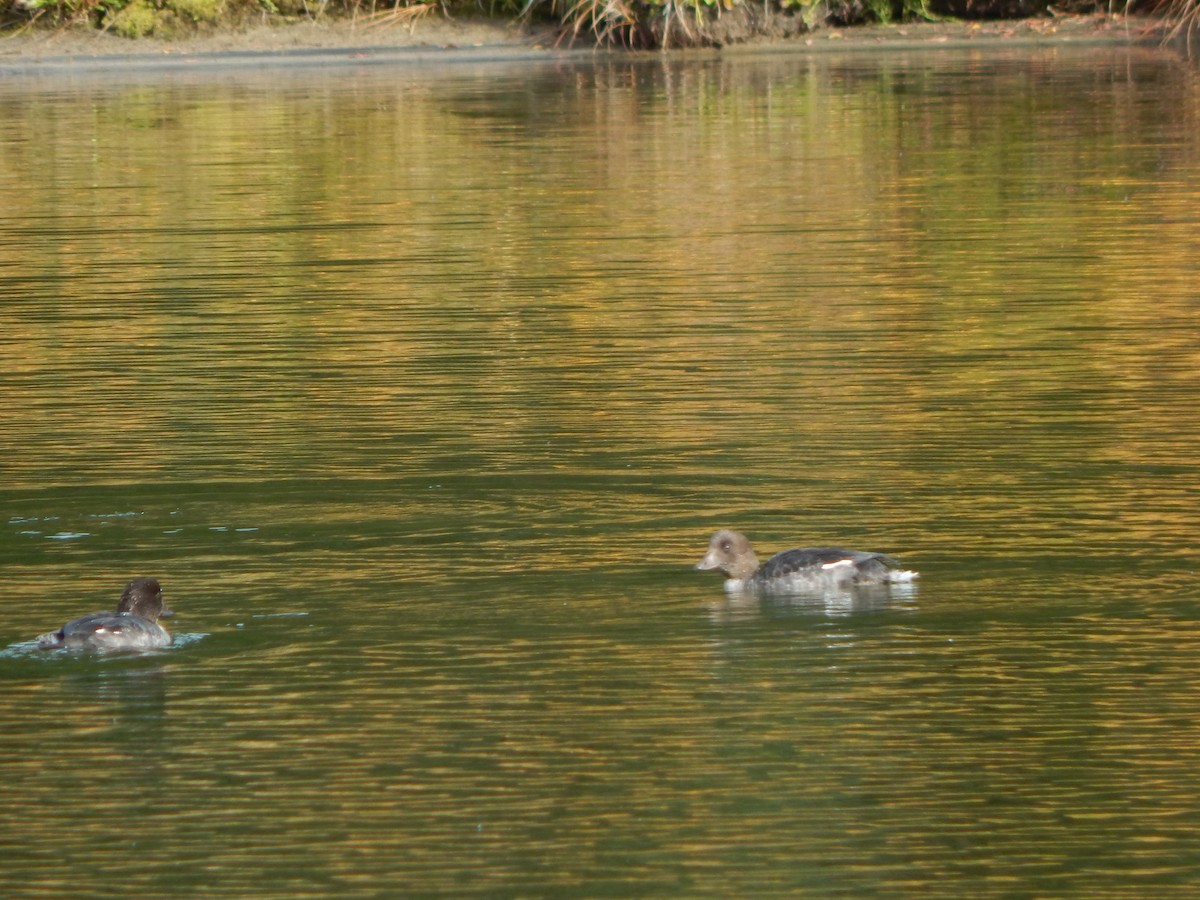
point(438, 39)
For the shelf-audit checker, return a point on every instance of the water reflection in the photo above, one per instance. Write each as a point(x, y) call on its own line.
point(421, 391)
point(133, 701)
point(861, 599)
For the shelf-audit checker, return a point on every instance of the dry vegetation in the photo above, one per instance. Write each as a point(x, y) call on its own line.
point(628, 23)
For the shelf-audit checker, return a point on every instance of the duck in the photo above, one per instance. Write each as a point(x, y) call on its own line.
point(807, 569)
point(134, 626)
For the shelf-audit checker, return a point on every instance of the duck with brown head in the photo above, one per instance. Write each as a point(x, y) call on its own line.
point(134, 626)
point(811, 568)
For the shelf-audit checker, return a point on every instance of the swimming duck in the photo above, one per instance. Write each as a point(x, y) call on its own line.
point(134, 626)
point(813, 568)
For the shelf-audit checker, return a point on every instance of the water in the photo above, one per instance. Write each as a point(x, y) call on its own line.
point(421, 389)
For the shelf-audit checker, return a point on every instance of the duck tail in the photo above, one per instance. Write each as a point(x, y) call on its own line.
point(51, 640)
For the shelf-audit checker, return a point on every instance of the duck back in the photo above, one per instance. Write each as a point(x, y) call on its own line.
point(107, 631)
point(858, 565)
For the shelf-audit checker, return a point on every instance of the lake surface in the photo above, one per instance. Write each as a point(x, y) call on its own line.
point(422, 389)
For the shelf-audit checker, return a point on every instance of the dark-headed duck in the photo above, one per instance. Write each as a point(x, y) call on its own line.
point(810, 569)
point(134, 626)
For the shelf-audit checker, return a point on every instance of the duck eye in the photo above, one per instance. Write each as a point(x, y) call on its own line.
point(726, 545)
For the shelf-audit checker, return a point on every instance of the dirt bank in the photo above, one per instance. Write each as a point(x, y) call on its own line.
point(434, 33)
point(322, 34)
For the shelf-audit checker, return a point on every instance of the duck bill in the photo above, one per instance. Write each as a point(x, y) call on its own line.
point(707, 564)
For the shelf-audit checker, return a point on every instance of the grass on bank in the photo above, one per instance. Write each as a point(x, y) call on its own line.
point(631, 23)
